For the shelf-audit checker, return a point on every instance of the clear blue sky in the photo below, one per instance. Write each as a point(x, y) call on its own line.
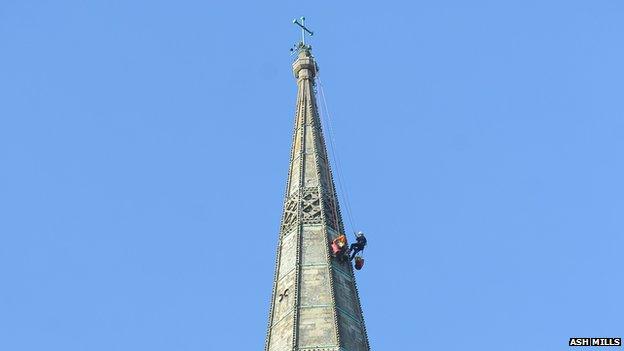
point(144, 149)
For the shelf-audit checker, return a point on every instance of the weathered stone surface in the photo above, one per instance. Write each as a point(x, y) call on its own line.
point(315, 305)
point(281, 338)
point(315, 288)
point(316, 327)
point(313, 249)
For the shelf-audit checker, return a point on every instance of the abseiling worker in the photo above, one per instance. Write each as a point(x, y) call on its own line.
point(358, 245)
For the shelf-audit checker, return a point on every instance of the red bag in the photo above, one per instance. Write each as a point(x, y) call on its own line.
point(359, 263)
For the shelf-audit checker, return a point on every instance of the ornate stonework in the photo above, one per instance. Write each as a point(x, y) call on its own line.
point(315, 304)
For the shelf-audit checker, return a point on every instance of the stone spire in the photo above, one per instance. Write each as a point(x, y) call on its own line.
point(315, 304)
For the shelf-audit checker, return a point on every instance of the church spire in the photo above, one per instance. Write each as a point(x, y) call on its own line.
point(315, 304)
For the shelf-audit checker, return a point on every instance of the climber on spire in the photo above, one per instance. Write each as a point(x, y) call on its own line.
point(358, 245)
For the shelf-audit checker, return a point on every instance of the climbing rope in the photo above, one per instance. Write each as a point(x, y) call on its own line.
point(333, 191)
point(328, 121)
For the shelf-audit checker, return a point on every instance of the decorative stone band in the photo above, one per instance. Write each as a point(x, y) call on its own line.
point(305, 67)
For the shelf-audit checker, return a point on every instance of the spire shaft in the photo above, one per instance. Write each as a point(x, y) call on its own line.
point(315, 303)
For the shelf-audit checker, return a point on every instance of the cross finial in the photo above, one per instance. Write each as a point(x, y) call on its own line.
point(304, 29)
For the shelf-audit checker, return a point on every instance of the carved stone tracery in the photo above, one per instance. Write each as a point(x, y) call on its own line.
point(311, 206)
point(290, 213)
point(310, 203)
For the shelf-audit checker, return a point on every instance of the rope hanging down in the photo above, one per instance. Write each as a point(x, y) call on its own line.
point(328, 121)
